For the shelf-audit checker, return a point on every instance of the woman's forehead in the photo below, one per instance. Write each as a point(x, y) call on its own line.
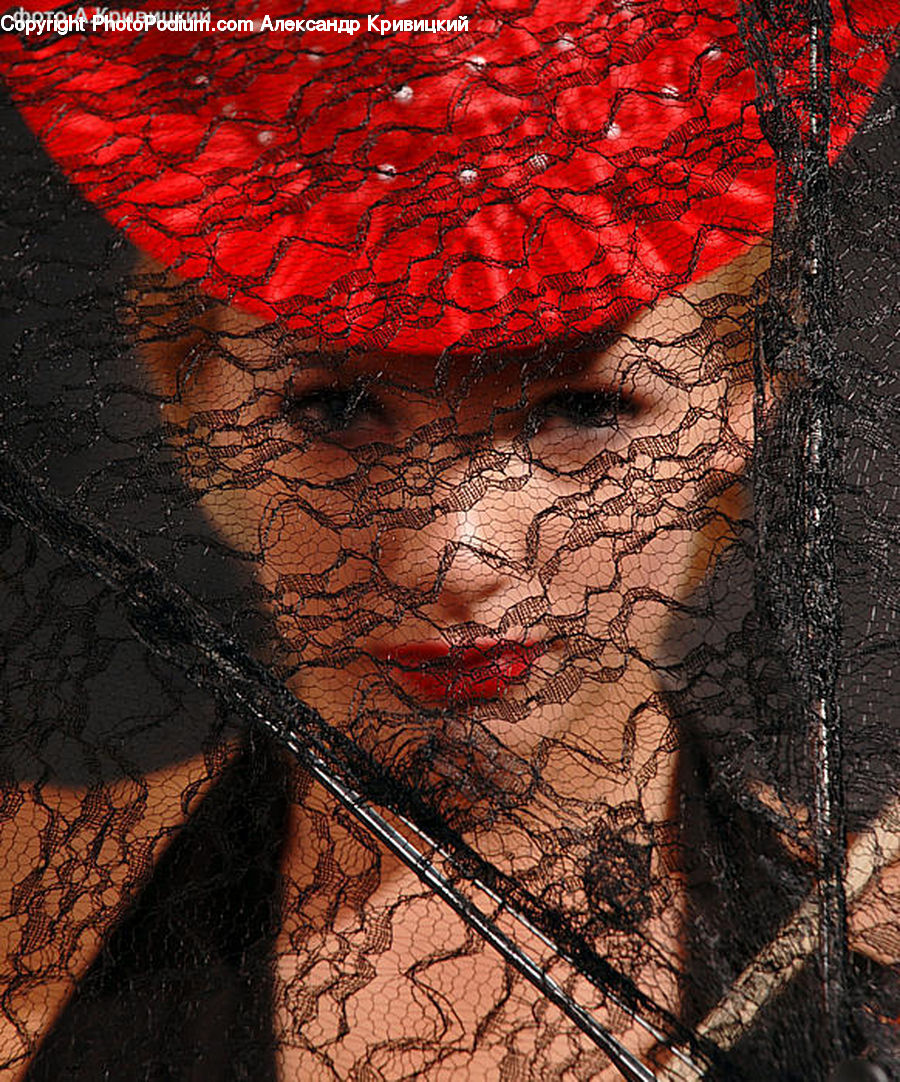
point(193, 355)
point(673, 334)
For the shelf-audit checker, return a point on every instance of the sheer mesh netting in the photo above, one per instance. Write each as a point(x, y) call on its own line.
point(449, 496)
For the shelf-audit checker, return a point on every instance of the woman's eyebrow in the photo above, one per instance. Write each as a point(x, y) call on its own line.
point(584, 360)
point(588, 360)
point(312, 360)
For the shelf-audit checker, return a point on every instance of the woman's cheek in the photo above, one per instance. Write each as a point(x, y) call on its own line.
point(284, 508)
point(294, 544)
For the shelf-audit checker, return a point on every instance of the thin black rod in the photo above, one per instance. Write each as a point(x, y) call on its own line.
point(818, 510)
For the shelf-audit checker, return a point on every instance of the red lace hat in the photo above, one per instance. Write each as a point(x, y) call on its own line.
point(541, 169)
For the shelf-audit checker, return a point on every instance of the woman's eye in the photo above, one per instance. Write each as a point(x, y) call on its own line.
point(584, 409)
point(569, 429)
point(331, 410)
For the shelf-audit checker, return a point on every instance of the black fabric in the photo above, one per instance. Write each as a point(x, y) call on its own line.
point(181, 991)
point(182, 988)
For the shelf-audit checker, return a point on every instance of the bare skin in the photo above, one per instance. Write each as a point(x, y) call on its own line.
point(57, 903)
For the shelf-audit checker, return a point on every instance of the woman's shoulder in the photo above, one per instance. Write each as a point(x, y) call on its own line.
point(180, 989)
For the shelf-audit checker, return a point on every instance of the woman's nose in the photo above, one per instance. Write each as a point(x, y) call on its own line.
point(466, 561)
point(476, 568)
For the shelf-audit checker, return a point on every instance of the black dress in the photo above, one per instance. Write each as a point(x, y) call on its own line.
point(181, 991)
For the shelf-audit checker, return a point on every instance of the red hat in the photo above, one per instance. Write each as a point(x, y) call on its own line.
point(542, 171)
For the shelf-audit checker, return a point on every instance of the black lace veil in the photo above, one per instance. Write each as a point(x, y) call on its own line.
point(522, 710)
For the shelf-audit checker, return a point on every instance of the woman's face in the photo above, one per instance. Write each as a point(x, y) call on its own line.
point(479, 555)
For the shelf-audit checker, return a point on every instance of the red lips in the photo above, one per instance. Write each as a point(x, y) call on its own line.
point(434, 672)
